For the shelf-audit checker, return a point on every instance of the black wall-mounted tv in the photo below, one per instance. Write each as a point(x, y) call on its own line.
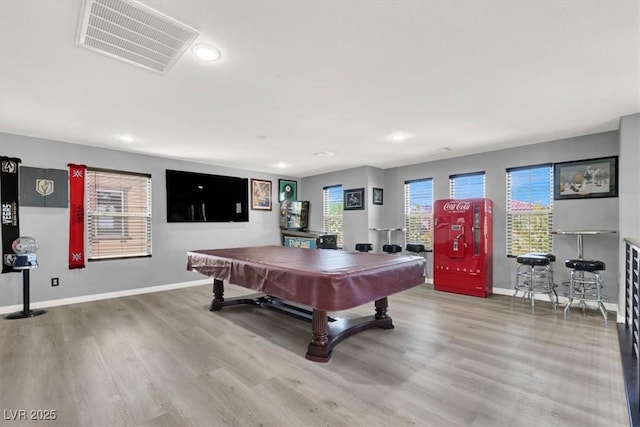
point(199, 197)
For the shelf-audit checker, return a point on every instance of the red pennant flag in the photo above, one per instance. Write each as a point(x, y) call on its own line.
point(76, 215)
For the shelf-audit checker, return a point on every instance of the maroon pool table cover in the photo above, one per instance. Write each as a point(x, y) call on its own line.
point(324, 279)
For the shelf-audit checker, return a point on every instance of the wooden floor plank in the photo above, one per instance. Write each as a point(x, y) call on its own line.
point(163, 359)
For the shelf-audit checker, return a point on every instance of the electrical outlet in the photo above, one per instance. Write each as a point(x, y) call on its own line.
point(55, 281)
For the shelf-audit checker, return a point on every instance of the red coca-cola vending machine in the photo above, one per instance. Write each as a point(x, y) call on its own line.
point(463, 247)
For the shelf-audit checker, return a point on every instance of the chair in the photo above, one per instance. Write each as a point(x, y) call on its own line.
point(391, 249)
point(586, 284)
point(364, 247)
point(534, 275)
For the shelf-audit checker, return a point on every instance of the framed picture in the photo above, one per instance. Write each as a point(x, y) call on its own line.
point(584, 179)
point(377, 196)
point(353, 199)
point(287, 190)
point(260, 195)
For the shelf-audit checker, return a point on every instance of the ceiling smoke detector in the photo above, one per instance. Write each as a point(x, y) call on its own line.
point(132, 32)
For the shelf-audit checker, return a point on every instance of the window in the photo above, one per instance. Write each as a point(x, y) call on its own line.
point(118, 214)
point(418, 211)
point(529, 209)
point(467, 186)
point(332, 211)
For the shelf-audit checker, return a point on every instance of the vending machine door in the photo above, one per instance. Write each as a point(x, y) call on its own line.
point(456, 241)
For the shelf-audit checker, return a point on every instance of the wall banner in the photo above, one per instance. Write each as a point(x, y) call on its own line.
point(9, 181)
point(76, 215)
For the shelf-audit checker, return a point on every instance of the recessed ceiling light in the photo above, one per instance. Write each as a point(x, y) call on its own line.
point(282, 165)
point(323, 154)
point(399, 137)
point(127, 138)
point(207, 53)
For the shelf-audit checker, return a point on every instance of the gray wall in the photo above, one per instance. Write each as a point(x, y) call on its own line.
point(172, 241)
point(50, 226)
point(567, 214)
point(629, 188)
point(356, 223)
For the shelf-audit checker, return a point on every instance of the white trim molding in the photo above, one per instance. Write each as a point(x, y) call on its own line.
point(96, 297)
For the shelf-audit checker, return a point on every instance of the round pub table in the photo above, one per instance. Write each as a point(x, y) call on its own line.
point(580, 234)
point(26, 311)
point(388, 231)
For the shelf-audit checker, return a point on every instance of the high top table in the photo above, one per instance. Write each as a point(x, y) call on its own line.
point(388, 231)
point(321, 280)
point(579, 234)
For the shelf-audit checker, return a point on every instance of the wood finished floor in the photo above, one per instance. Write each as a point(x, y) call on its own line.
point(164, 360)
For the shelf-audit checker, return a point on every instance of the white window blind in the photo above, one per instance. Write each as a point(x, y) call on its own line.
point(467, 186)
point(529, 209)
point(332, 211)
point(418, 211)
point(118, 214)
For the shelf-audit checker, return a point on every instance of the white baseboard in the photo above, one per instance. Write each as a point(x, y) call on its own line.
point(96, 297)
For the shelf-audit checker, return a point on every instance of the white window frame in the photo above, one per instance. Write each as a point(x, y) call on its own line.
point(524, 213)
point(418, 214)
point(121, 229)
point(459, 183)
point(333, 223)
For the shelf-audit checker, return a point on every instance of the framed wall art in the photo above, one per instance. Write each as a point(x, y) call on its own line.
point(260, 195)
point(353, 199)
point(287, 190)
point(377, 196)
point(583, 179)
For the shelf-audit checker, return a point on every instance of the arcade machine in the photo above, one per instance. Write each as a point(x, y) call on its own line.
point(294, 220)
point(462, 249)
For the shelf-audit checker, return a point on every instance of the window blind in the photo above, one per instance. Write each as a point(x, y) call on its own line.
point(332, 211)
point(467, 186)
point(529, 209)
point(118, 214)
point(418, 211)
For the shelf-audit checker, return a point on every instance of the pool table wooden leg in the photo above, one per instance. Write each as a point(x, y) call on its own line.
point(327, 335)
point(381, 308)
point(319, 350)
point(218, 295)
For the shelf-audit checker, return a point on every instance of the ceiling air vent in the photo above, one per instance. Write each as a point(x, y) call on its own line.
point(132, 32)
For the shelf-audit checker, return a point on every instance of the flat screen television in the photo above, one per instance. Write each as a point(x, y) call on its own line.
point(199, 197)
point(294, 215)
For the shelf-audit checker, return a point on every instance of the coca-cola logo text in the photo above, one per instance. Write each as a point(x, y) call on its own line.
point(457, 206)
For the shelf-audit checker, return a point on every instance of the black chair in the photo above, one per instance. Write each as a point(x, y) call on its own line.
point(416, 248)
point(364, 247)
point(391, 249)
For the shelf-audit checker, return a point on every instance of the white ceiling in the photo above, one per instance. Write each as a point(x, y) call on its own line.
point(297, 78)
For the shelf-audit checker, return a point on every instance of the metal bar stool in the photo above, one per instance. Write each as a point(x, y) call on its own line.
point(391, 249)
point(534, 275)
point(552, 259)
point(586, 288)
point(419, 249)
point(364, 247)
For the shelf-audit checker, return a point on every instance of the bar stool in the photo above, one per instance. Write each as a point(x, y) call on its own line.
point(552, 259)
point(419, 249)
point(364, 247)
point(586, 288)
point(391, 249)
point(535, 276)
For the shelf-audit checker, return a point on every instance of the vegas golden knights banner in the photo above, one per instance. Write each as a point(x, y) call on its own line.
point(9, 180)
point(76, 215)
